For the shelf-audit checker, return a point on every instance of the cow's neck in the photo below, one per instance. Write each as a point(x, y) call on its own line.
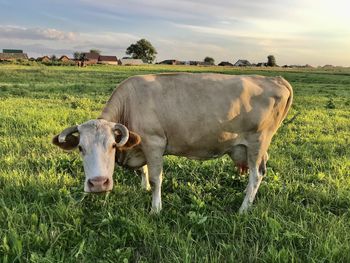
point(116, 109)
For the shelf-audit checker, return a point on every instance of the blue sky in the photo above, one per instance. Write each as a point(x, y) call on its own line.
point(295, 31)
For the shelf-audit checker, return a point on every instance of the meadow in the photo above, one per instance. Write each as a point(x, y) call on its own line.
point(301, 213)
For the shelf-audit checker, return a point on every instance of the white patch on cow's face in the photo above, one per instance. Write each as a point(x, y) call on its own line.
point(97, 148)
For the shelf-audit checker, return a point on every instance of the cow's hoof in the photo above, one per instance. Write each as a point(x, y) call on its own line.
point(243, 209)
point(146, 187)
point(155, 210)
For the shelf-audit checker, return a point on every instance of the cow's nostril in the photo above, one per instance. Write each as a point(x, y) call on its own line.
point(106, 183)
point(90, 184)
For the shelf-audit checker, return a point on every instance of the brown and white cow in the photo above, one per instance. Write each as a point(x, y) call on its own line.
point(199, 116)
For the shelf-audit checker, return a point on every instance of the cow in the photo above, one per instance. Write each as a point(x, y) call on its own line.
point(195, 115)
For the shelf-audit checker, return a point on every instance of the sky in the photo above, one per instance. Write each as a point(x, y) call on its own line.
point(294, 31)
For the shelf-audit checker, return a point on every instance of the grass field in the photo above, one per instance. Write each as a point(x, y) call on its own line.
point(301, 214)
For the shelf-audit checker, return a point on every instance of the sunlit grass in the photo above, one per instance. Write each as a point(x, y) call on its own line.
point(301, 213)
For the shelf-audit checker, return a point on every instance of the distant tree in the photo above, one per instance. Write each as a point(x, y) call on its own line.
point(80, 57)
point(53, 58)
point(77, 55)
point(271, 61)
point(96, 51)
point(142, 49)
point(209, 60)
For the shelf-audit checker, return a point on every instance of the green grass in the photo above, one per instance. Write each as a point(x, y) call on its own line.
point(301, 213)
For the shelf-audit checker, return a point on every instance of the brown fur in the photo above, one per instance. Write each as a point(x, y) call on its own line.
point(134, 140)
point(69, 144)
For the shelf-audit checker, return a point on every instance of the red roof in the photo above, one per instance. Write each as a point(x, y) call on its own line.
point(89, 55)
point(64, 56)
point(108, 58)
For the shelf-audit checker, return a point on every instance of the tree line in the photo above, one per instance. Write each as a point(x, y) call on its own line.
point(144, 50)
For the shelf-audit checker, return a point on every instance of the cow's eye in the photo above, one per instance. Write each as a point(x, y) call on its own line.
point(114, 145)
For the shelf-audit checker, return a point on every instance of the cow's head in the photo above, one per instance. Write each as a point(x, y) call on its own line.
point(97, 141)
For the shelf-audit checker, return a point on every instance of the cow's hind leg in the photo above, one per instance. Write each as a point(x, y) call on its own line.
point(257, 158)
point(253, 185)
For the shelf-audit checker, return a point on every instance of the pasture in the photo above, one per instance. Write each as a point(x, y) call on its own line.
point(301, 213)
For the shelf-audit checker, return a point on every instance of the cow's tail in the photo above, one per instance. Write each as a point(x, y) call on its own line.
point(290, 98)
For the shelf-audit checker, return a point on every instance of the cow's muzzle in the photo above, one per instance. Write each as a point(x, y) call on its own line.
point(99, 184)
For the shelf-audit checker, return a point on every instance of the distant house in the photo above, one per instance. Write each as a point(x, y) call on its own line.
point(225, 63)
point(17, 51)
point(242, 63)
point(194, 63)
point(111, 60)
point(203, 63)
point(298, 66)
point(90, 58)
point(168, 62)
point(44, 59)
point(131, 62)
point(12, 54)
point(172, 62)
point(65, 58)
point(261, 64)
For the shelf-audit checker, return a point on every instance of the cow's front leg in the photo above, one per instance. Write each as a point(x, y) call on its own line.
point(155, 169)
point(145, 178)
point(153, 148)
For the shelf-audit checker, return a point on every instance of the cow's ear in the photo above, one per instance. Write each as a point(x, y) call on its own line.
point(69, 143)
point(134, 139)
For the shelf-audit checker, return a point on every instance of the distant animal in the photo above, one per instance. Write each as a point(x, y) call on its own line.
point(199, 116)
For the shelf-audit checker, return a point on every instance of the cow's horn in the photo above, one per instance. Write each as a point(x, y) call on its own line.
point(66, 132)
point(124, 132)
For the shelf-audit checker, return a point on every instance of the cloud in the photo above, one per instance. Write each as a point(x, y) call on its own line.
point(195, 10)
point(47, 41)
point(295, 31)
point(17, 32)
point(188, 50)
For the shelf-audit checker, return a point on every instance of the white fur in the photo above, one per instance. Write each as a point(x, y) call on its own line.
point(96, 140)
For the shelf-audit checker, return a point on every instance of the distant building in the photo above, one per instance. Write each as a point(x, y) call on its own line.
point(67, 61)
point(189, 62)
point(261, 64)
point(17, 51)
point(111, 60)
point(131, 62)
point(65, 58)
point(194, 63)
point(13, 54)
point(328, 66)
point(225, 63)
point(168, 62)
point(90, 58)
point(242, 63)
point(44, 59)
point(203, 63)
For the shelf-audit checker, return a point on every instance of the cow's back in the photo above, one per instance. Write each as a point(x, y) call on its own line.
point(204, 113)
